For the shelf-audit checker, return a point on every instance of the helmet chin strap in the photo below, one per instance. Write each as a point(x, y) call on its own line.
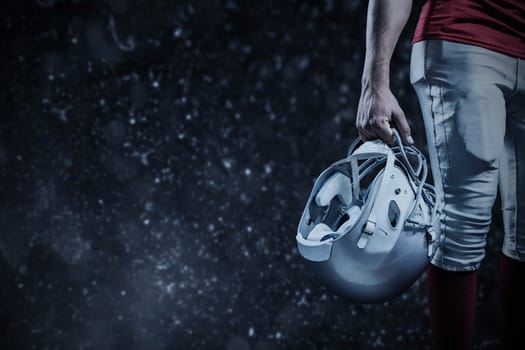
point(367, 150)
point(424, 191)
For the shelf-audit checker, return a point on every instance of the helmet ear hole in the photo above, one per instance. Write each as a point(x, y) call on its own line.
point(393, 214)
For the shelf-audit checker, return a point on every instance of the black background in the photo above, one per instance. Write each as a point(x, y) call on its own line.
point(155, 159)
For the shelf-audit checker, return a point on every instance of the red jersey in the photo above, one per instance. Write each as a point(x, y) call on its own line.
point(498, 25)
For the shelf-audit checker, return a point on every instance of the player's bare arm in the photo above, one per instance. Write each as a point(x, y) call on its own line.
point(378, 110)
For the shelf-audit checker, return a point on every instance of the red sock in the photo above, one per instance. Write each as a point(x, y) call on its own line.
point(512, 294)
point(451, 301)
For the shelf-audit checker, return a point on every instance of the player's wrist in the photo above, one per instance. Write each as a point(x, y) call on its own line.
point(375, 85)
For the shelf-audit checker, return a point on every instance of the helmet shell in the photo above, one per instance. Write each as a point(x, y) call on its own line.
point(383, 253)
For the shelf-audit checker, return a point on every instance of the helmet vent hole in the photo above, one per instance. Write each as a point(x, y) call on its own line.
point(393, 214)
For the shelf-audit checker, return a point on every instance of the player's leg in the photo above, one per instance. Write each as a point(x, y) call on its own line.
point(461, 91)
point(512, 186)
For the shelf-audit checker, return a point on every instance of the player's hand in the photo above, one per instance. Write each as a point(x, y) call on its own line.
point(377, 113)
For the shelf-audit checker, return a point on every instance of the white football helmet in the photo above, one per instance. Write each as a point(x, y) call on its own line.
point(371, 223)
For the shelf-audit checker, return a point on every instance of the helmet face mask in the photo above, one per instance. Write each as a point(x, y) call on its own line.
point(371, 222)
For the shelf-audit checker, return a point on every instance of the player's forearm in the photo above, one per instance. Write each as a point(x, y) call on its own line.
point(385, 22)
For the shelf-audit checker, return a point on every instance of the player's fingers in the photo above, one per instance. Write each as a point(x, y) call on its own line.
point(364, 134)
point(364, 129)
point(384, 131)
point(401, 124)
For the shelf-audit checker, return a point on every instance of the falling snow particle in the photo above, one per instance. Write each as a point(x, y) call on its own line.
point(227, 163)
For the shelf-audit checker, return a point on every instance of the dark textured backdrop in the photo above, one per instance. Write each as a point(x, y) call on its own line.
point(155, 158)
